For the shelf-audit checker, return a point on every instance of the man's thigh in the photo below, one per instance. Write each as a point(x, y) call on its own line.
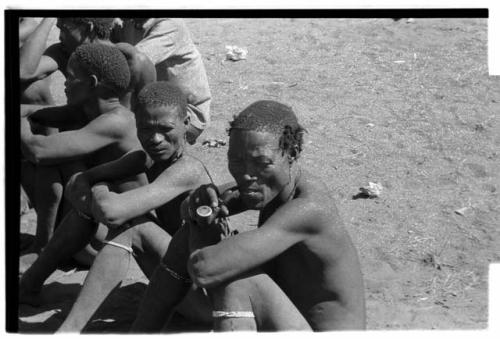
point(272, 308)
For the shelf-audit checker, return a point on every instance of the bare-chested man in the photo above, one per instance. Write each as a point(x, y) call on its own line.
point(38, 92)
point(162, 122)
point(297, 271)
point(98, 75)
point(36, 64)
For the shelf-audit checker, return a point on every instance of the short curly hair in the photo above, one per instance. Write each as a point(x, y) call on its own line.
point(107, 63)
point(162, 93)
point(101, 26)
point(273, 117)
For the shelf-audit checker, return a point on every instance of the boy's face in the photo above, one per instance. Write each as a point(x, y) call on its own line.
point(257, 164)
point(71, 35)
point(161, 131)
point(78, 85)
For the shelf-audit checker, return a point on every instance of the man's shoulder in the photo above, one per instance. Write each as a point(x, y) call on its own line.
point(321, 205)
point(117, 121)
point(191, 165)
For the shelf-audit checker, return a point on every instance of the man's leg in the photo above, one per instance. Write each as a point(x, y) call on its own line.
point(149, 243)
point(238, 302)
point(47, 195)
point(110, 267)
point(50, 207)
point(157, 303)
point(28, 174)
point(71, 236)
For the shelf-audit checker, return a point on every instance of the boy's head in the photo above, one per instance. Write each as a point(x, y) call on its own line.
point(76, 31)
point(96, 70)
point(265, 141)
point(162, 120)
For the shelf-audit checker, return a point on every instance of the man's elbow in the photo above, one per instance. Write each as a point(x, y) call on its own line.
point(200, 271)
point(27, 74)
point(110, 214)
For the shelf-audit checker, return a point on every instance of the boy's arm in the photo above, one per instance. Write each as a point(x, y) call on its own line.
point(53, 116)
point(33, 65)
point(290, 224)
point(114, 209)
point(78, 188)
point(66, 146)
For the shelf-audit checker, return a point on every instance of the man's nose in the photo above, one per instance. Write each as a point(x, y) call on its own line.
point(156, 138)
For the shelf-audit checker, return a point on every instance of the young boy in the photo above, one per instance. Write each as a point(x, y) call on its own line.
point(297, 271)
point(98, 76)
point(162, 123)
point(35, 66)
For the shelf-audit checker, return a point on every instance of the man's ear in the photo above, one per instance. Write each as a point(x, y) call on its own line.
point(293, 153)
point(187, 120)
point(93, 81)
point(90, 30)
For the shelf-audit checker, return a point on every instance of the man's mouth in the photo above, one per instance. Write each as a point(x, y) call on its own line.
point(157, 151)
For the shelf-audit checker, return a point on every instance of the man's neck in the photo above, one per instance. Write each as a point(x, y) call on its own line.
point(100, 106)
point(288, 191)
point(102, 41)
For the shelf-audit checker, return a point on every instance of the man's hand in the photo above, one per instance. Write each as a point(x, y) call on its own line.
point(78, 192)
point(205, 195)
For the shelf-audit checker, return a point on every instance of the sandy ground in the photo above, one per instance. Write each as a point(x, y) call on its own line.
point(408, 105)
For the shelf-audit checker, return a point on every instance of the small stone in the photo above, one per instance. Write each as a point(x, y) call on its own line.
point(461, 211)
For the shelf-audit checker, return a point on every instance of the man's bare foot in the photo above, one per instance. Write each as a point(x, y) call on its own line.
point(26, 261)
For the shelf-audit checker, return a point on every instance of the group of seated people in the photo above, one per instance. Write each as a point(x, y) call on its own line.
point(118, 152)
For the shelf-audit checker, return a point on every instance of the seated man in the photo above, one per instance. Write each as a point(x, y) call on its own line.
point(162, 122)
point(168, 44)
point(297, 271)
point(98, 76)
point(39, 93)
point(36, 64)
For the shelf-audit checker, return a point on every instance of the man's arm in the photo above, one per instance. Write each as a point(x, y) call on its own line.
point(53, 116)
point(70, 145)
point(78, 189)
point(33, 65)
point(142, 68)
point(114, 209)
point(290, 224)
point(26, 27)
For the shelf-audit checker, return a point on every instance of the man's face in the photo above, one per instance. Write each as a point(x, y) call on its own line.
point(71, 35)
point(78, 86)
point(258, 166)
point(161, 131)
